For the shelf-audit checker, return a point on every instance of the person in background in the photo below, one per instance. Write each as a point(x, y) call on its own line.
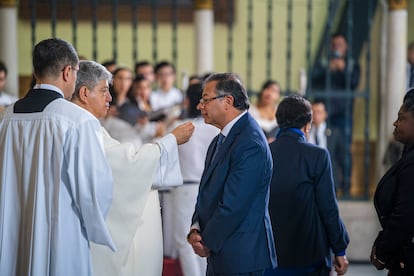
point(145, 69)
point(303, 208)
point(393, 248)
point(328, 138)
point(231, 224)
point(344, 75)
point(167, 100)
point(265, 109)
point(5, 99)
point(110, 65)
point(134, 218)
point(141, 93)
point(55, 182)
point(192, 156)
point(166, 95)
point(410, 66)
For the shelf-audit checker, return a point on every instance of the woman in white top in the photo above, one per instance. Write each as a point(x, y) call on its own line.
point(265, 110)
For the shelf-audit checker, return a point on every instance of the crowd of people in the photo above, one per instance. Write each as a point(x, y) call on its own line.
point(105, 170)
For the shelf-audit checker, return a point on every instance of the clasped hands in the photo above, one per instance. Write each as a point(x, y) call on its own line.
point(375, 261)
point(195, 240)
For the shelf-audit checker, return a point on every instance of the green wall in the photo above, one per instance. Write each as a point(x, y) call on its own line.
point(186, 53)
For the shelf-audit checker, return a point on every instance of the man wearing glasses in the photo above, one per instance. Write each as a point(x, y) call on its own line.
point(231, 220)
point(55, 182)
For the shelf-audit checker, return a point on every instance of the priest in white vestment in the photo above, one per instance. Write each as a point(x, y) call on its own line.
point(55, 183)
point(134, 217)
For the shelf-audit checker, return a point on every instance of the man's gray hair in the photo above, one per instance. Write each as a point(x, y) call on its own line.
point(90, 74)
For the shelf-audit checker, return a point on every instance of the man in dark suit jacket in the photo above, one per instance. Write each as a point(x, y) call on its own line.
point(303, 208)
point(231, 224)
point(331, 139)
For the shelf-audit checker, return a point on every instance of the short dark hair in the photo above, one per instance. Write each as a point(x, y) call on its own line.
point(294, 112)
point(193, 95)
point(408, 101)
point(119, 69)
point(141, 64)
point(230, 84)
point(50, 56)
point(163, 64)
point(338, 34)
point(3, 67)
point(107, 63)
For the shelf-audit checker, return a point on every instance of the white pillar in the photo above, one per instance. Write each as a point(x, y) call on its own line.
point(204, 35)
point(383, 135)
point(8, 44)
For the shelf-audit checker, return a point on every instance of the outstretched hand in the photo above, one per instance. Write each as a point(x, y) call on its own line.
point(183, 132)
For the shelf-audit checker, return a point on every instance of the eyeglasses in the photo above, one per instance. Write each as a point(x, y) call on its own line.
point(206, 101)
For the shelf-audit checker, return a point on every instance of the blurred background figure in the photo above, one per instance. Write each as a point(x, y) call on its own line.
point(110, 65)
point(145, 69)
point(410, 65)
point(141, 93)
point(265, 109)
point(336, 77)
point(5, 98)
point(328, 138)
point(166, 95)
point(192, 156)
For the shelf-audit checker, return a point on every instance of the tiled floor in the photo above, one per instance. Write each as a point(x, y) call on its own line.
point(364, 270)
point(171, 268)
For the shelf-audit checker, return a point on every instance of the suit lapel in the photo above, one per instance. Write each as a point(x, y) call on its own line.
point(228, 141)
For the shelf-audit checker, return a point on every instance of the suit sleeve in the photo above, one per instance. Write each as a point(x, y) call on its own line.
point(327, 206)
point(399, 227)
point(244, 181)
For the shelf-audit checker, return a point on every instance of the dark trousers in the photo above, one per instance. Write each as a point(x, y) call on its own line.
point(210, 272)
point(318, 270)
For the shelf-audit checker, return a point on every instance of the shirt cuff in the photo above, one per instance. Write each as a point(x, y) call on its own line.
point(196, 225)
point(341, 254)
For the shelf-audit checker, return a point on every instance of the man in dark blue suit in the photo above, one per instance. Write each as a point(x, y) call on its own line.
point(231, 224)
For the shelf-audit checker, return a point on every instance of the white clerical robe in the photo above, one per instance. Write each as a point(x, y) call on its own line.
point(55, 190)
point(134, 219)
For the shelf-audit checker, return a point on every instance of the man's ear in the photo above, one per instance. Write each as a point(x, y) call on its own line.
point(229, 100)
point(84, 94)
point(66, 72)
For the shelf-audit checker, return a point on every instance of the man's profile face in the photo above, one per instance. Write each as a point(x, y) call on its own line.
point(99, 99)
point(2, 80)
point(211, 106)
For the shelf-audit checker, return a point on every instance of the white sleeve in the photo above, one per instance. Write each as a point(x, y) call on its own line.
point(168, 173)
point(90, 180)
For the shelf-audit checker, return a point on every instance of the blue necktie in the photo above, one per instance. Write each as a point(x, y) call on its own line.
point(218, 144)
